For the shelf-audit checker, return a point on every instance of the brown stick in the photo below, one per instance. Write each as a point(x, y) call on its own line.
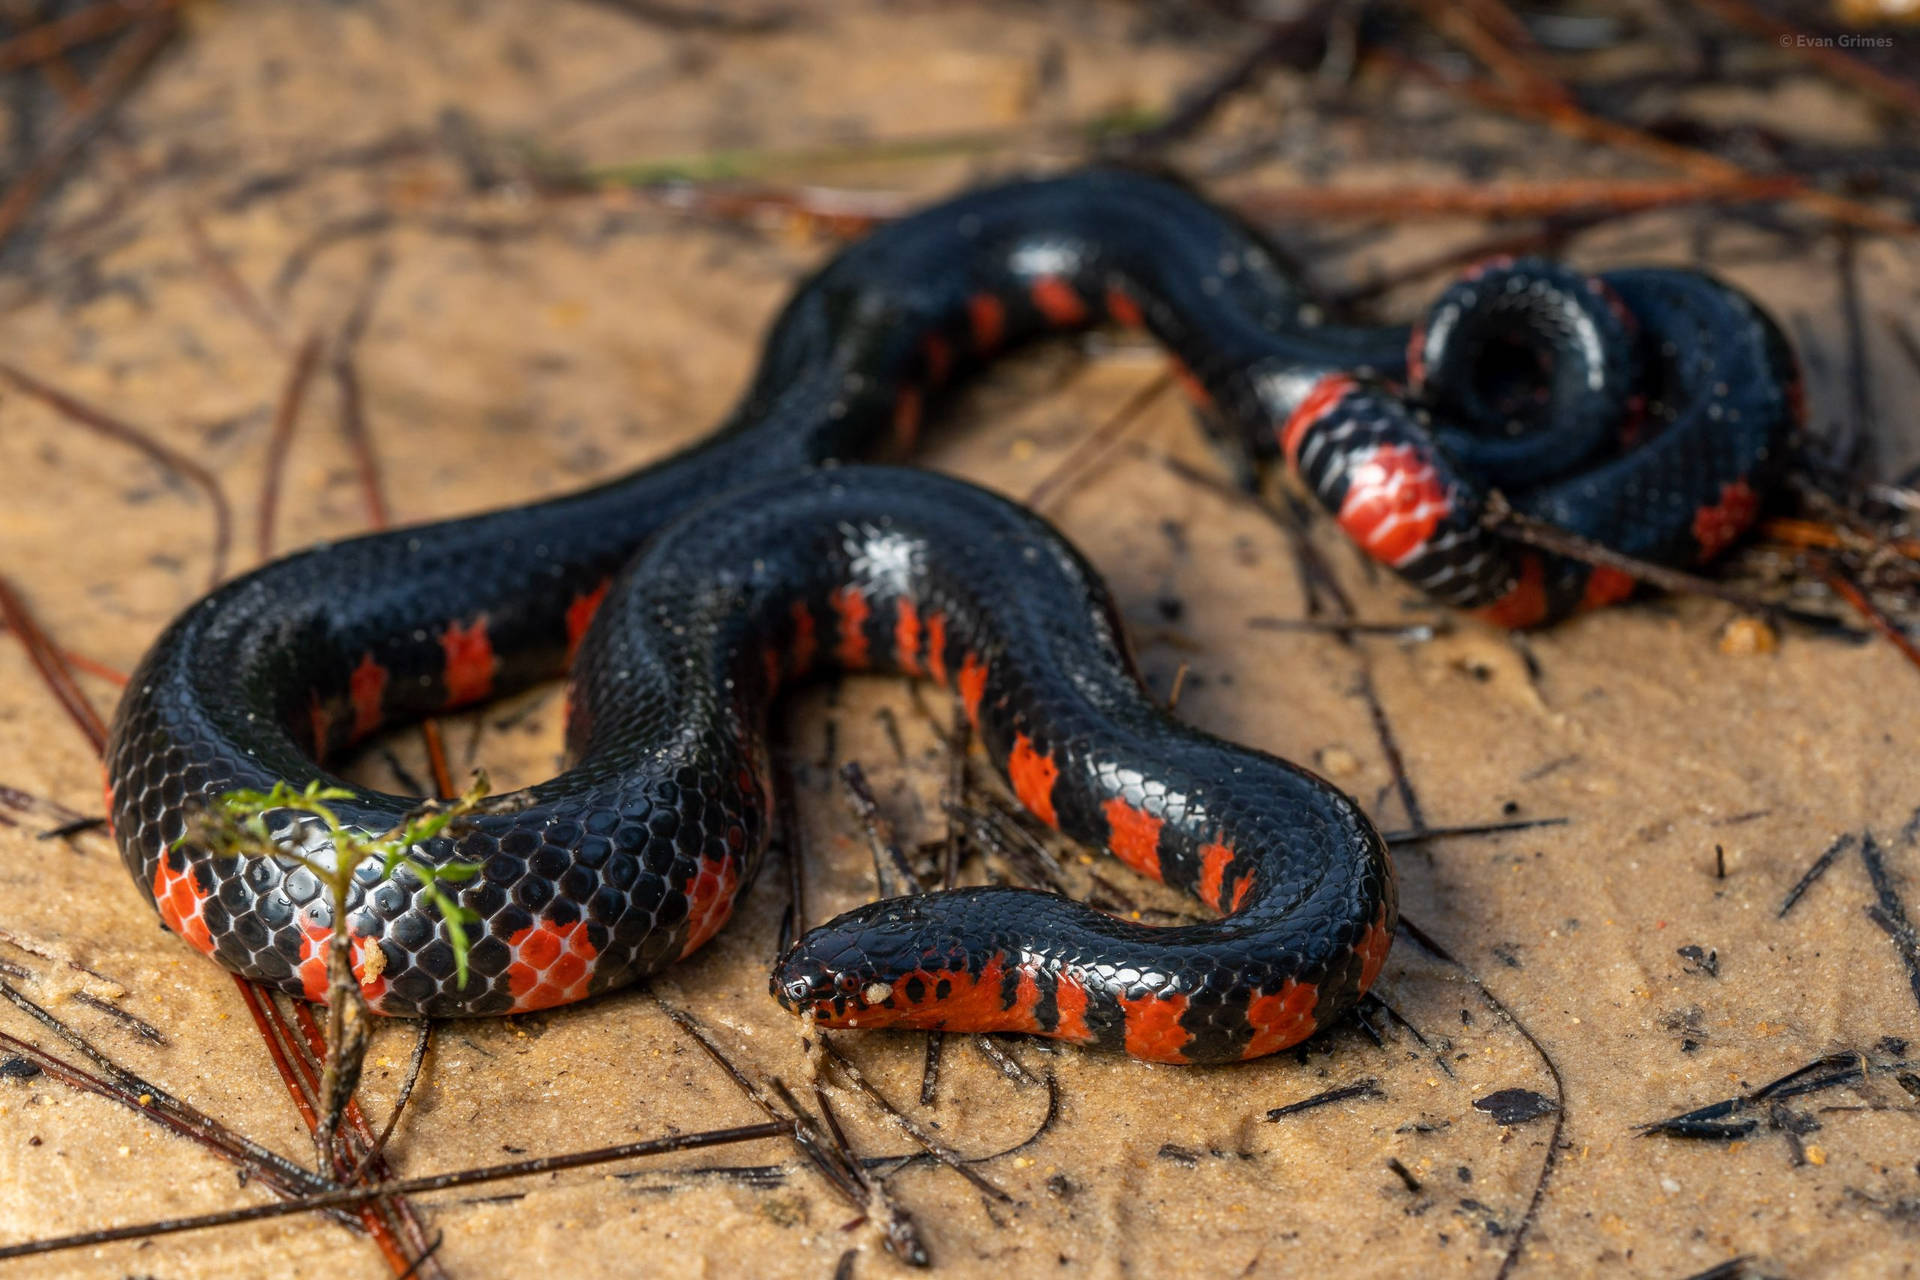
point(52, 668)
point(1853, 72)
point(1508, 523)
point(1516, 199)
point(50, 39)
point(1847, 589)
point(101, 423)
point(77, 127)
point(292, 393)
point(348, 1197)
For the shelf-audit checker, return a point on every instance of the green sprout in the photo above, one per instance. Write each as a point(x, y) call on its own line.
point(234, 825)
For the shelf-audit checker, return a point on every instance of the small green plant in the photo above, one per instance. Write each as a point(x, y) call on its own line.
point(234, 825)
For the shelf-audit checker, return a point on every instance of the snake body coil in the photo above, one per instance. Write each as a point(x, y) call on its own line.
point(1672, 396)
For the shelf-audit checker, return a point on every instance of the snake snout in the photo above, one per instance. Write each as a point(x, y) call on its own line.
point(800, 981)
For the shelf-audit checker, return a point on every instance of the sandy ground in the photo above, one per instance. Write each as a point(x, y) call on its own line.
point(518, 346)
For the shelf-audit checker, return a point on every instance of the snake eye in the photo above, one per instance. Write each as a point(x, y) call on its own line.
point(846, 982)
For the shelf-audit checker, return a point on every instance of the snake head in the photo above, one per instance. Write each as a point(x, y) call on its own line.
point(834, 988)
point(924, 962)
point(851, 971)
point(801, 983)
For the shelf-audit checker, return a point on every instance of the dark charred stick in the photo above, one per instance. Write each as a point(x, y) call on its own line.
point(959, 743)
point(130, 56)
point(1551, 1161)
point(880, 837)
point(1848, 589)
point(834, 1130)
point(1853, 449)
point(998, 829)
point(959, 740)
point(1405, 632)
point(1890, 913)
point(933, 1147)
point(1732, 1269)
point(351, 1197)
point(1390, 747)
point(401, 774)
point(425, 1257)
point(787, 823)
point(1405, 1174)
point(134, 1085)
point(836, 1145)
point(1584, 126)
point(1819, 868)
point(1367, 1088)
point(1510, 524)
point(1739, 1116)
point(701, 17)
point(1009, 1065)
point(310, 1056)
point(374, 1152)
point(51, 39)
point(930, 1067)
point(324, 1057)
point(286, 415)
point(1013, 823)
point(72, 827)
point(1853, 72)
point(901, 1236)
point(1904, 936)
point(890, 724)
point(1072, 469)
point(139, 1026)
point(1470, 829)
point(1293, 42)
point(228, 282)
point(26, 802)
point(285, 1051)
point(1394, 1015)
point(1559, 231)
point(843, 1174)
point(274, 1171)
point(1579, 202)
point(898, 1230)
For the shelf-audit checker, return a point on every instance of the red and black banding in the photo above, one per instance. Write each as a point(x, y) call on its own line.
point(1663, 394)
point(632, 857)
point(1071, 731)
